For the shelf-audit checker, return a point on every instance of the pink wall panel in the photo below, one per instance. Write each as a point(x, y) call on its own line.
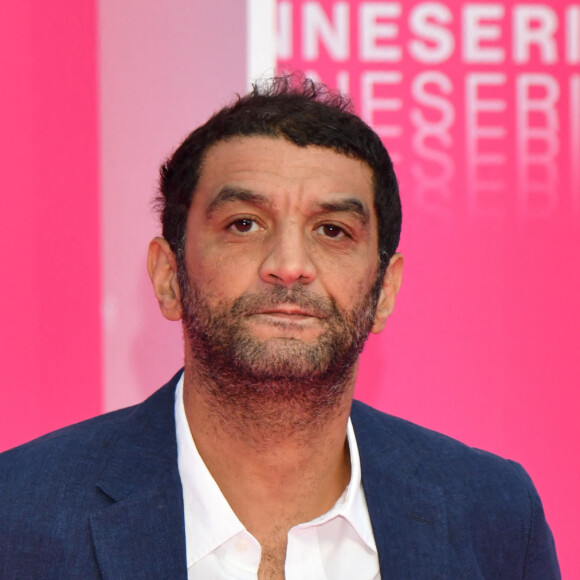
point(480, 106)
point(50, 353)
point(486, 136)
point(163, 72)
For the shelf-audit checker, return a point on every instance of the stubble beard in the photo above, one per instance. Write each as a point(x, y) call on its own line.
point(277, 383)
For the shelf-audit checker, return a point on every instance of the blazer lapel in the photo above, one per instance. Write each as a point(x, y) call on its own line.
point(408, 514)
point(141, 533)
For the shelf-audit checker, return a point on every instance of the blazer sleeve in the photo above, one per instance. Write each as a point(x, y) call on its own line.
point(541, 562)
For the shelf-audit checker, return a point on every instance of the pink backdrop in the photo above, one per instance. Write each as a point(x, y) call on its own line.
point(50, 328)
point(480, 106)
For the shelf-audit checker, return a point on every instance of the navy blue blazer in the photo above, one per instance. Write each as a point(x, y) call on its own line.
point(103, 499)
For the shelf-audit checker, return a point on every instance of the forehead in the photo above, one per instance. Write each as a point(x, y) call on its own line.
point(280, 169)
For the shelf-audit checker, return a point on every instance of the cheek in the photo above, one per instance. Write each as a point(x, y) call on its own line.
point(219, 276)
point(350, 273)
point(347, 285)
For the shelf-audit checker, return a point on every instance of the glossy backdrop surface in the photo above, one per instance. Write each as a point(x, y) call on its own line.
point(479, 105)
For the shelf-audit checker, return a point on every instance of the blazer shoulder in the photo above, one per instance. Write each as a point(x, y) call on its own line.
point(65, 442)
point(485, 496)
point(379, 430)
point(79, 447)
point(427, 456)
point(53, 489)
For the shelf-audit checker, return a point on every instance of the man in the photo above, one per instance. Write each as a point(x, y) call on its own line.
point(281, 219)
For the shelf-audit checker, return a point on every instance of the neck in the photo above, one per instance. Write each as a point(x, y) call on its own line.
point(275, 460)
point(271, 411)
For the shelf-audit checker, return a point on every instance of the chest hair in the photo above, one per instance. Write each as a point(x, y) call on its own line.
point(273, 560)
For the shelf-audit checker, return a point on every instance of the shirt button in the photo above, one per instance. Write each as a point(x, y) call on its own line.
point(241, 546)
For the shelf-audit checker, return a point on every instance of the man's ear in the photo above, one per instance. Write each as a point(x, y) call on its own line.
point(162, 268)
point(390, 288)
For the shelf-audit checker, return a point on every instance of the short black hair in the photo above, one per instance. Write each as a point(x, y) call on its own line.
point(303, 112)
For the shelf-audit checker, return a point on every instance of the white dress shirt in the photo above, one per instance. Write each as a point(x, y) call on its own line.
point(338, 545)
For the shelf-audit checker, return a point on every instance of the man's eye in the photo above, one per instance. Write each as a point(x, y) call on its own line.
point(243, 226)
point(330, 231)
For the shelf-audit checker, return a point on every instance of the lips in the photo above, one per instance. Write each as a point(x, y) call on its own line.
point(292, 304)
point(290, 311)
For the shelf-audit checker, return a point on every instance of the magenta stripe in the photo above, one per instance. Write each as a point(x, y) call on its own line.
point(50, 329)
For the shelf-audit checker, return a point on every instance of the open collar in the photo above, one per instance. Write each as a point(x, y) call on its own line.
point(408, 513)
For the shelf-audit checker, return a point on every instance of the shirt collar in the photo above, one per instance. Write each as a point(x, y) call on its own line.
point(351, 505)
point(210, 521)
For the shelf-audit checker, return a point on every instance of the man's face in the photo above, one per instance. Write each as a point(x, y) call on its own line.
point(281, 260)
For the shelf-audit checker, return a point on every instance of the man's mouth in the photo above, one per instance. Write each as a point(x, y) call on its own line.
point(290, 312)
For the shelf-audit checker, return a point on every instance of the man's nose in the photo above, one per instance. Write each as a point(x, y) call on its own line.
point(288, 260)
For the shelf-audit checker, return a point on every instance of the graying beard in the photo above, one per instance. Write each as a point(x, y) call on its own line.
point(281, 395)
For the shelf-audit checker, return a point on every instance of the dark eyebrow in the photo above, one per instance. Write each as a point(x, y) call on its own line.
point(233, 194)
point(348, 205)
